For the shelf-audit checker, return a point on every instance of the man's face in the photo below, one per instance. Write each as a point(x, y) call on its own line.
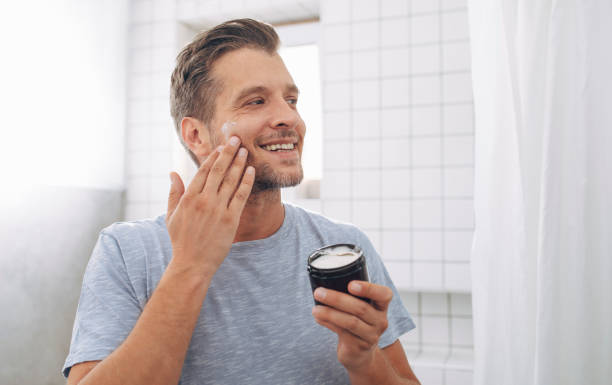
point(257, 103)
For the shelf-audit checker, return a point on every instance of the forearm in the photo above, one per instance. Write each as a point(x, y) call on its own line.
point(379, 371)
point(154, 351)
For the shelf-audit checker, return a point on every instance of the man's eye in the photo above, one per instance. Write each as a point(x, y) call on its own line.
point(255, 101)
point(292, 101)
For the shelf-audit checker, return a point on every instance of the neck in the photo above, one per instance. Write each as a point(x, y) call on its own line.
point(262, 216)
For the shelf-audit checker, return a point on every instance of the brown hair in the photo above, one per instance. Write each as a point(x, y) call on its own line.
point(193, 90)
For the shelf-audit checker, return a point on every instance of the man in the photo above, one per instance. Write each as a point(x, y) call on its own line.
point(216, 291)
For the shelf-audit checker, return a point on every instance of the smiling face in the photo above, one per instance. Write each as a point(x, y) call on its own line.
point(258, 103)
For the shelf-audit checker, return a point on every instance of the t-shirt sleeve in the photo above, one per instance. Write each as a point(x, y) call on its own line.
point(399, 319)
point(108, 306)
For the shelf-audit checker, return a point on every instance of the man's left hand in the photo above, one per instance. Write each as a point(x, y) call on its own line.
point(357, 323)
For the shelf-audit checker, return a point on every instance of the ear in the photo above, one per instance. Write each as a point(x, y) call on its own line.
point(196, 136)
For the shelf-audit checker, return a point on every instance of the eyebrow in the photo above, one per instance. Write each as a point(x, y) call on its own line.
point(289, 88)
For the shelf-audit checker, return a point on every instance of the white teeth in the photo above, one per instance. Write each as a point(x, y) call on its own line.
point(274, 147)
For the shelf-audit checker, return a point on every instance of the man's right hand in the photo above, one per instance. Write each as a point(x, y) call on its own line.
point(202, 221)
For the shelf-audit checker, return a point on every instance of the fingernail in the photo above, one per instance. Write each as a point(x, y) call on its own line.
point(234, 141)
point(320, 293)
point(250, 170)
point(242, 152)
point(356, 287)
point(220, 148)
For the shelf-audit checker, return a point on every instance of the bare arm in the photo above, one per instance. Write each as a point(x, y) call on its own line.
point(154, 351)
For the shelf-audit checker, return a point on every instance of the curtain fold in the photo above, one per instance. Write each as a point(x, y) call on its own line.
point(542, 249)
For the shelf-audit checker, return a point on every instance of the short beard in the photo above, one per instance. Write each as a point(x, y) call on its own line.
point(267, 179)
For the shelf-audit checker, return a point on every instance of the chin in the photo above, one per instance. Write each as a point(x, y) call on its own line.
point(267, 179)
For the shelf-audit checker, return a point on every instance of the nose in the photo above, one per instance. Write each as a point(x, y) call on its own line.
point(284, 115)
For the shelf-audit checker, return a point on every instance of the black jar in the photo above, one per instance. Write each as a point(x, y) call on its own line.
point(337, 276)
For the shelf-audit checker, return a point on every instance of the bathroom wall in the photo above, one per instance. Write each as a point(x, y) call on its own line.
point(398, 142)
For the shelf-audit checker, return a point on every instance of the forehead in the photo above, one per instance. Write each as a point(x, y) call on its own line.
point(248, 67)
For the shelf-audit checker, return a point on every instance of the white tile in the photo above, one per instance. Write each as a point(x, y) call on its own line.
point(400, 274)
point(396, 183)
point(459, 182)
point(164, 9)
point(337, 96)
point(366, 94)
point(160, 85)
point(425, 89)
point(458, 245)
point(427, 275)
point(374, 237)
point(138, 136)
point(366, 124)
point(435, 330)
point(366, 214)
point(336, 184)
point(159, 189)
point(365, 64)
point(164, 33)
point(366, 153)
point(426, 120)
point(161, 162)
point(336, 66)
point(162, 136)
point(427, 183)
point(141, 11)
point(395, 153)
point(396, 214)
point(458, 119)
point(425, 59)
point(424, 6)
point(365, 9)
point(337, 155)
point(366, 184)
point(459, 213)
point(425, 29)
point(426, 214)
point(461, 304)
point(157, 208)
point(394, 8)
point(459, 377)
point(141, 35)
point(395, 121)
point(336, 38)
point(455, 25)
point(140, 60)
point(395, 92)
point(395, 61)
point(160, 111)
point(453, 4)
point(434, 304)
point(458, 150)
point(335, 11)
point(138, 163)
point(337, 210)
point(395, 32)
point(429, 375)
point(411, 343)
point(396, 245)
point(163, 59)
point(410, 299)
point(139, 86)
point(456, 56)
point(426, 151)
point(136, 211)
point(460, 359)
point(365, 34)
point(336, 125)
point(457, 277)
point(462, 331)
point(427, 245)
point(186, 8)
point(457, 87)
point(138, 189)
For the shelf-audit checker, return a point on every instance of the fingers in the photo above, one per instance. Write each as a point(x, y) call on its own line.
point(219, 168)
point(380, 295)
point(177, 188)
point(199, 179)
point(233, 176)
point(348, 304)
point(242, 193)
point(338, 321)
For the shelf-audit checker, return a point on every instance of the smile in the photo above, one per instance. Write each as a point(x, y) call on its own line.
point(279, 147)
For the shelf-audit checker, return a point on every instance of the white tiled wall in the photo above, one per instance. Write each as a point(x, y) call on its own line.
point(398, 142)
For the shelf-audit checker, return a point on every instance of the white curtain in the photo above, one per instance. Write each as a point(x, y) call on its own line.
point(542, 251)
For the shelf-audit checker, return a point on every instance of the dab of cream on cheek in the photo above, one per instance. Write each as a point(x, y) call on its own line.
point(226, 128)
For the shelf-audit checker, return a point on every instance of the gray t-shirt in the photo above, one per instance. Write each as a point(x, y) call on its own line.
point(255, 326)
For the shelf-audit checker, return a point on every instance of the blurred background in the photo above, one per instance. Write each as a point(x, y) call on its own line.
point(87, 139)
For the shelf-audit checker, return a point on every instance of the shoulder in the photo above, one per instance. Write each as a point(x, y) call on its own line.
point(334, 231)
point(129, 232)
